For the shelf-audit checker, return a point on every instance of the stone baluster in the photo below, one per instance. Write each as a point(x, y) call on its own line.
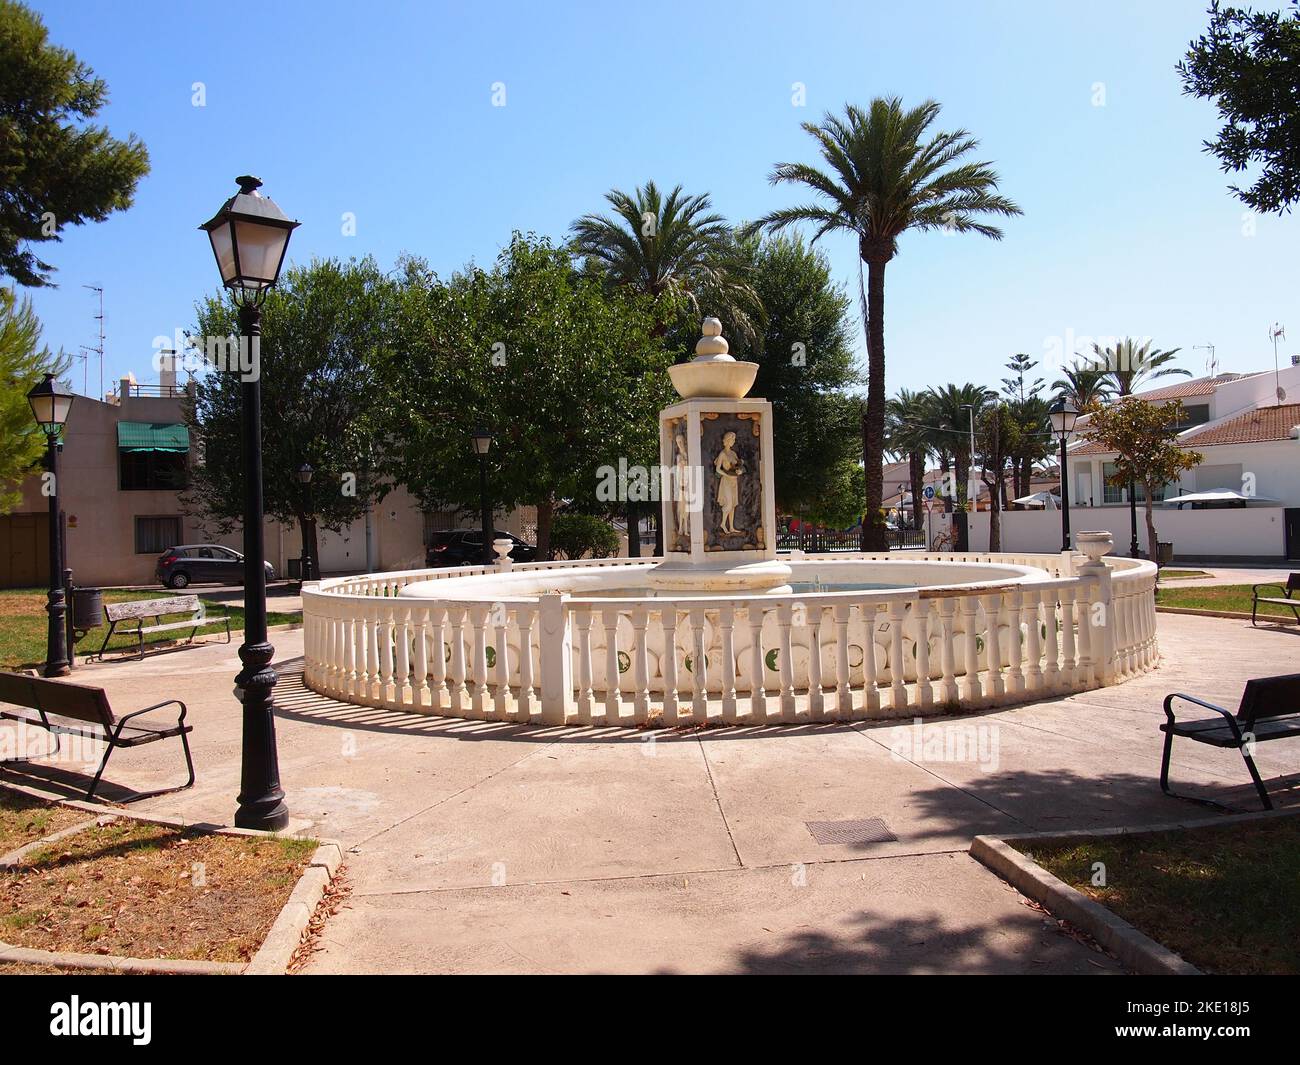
point(420, 668)
point(524, 624)
point(948, 690)
point(969, 606)
point(816, 697)
point(843, 674)
point(727, 639)
point(897, 661)
point(583, 617)
point(757, 694)
point(785, 620)
point(640, 665)
point(441, 653)
point(870, 682)
point(478, 616)
point(668, 623)
point(458, 692)
point(699, 668)
point(994, 688)
point(924, 689)
point(613, 697)
point(499, 619)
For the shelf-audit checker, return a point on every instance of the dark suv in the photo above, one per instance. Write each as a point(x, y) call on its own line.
point(179, 567)
point(464, 547)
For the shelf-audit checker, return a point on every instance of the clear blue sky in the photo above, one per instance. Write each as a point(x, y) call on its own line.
point(384, 109)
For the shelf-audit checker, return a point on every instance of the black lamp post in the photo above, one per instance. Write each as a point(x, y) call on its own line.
point(250, 236)
point(482, 443)
point(50, 405)
point(308, 549)
point(1064, 415)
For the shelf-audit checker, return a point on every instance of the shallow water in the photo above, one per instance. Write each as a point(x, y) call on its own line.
point(641, 591)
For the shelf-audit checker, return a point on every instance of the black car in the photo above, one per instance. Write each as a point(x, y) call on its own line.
point(464, 547)
point(179, 567)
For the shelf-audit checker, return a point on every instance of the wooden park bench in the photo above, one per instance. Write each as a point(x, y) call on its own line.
point(1292, 585)
point(1269, 710)
point(140, 609)
point(80, 710)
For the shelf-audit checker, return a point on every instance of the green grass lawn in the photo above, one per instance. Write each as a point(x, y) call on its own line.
point(1223, 597)
point(1226, 898)
point(23, 624)
point(1167, 574)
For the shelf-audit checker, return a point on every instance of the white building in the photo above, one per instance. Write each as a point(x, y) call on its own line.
point(1247, 427)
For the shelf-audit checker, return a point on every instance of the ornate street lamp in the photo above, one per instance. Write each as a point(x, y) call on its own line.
point(308, 555)
point(250, 236)
point(482, 443)
point(1064, 415)
point(50, 406)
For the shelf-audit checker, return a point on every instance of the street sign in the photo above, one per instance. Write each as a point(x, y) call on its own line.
point(927, 493)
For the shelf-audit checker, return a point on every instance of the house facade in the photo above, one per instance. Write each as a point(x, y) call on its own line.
point(122, 469)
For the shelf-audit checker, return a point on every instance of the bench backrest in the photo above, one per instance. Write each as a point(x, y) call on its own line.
point(1293, 583)
point(80, 702)
point(1269, 697)
point(151, 608)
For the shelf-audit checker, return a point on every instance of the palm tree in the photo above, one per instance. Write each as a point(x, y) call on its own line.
point(1129, 365)
point(951, 409)
point(1085, 385)
point(887, 174)
point(909, 435)
point(677, 247)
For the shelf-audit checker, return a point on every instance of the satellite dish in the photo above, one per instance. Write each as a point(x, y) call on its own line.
point(1281, 394)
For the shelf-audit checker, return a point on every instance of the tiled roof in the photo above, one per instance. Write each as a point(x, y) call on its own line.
point(1200, 386)
point(1251, 427)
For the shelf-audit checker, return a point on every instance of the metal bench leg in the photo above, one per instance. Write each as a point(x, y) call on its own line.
point(1254, 606)
point(1164, 763)
point(140, 633)
point(112, 626)
point(90, 792)
point(1259, 784)
point(227, 630)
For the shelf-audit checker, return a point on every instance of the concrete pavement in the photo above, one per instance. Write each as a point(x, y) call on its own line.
point(486, 847)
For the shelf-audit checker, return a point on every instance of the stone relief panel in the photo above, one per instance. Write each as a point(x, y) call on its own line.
point(676, 458)
point(732, 450)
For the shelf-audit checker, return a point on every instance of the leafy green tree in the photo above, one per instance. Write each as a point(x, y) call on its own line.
point(806, 369)
point(56, 169)
point(23, 361)
point(325, 329)
point(576, 535)
point(567, 372)
point(1248, 63)
point(887, 173)
point(1143, 436)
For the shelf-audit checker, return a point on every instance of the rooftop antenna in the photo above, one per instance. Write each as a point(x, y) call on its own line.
point(1212, 362)
point(100, 349)
point(1277, 332)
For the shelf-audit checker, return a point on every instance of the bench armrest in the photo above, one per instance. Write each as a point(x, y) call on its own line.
point(180, 720)
point(1270, 584)
point(1228, 715)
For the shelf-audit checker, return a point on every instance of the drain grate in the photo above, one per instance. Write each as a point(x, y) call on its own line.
point(865, 830)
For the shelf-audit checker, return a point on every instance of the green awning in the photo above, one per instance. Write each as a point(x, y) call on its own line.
point(152, 436)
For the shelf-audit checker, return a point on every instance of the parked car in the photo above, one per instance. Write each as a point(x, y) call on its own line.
point(464, 547)
point(179, 567)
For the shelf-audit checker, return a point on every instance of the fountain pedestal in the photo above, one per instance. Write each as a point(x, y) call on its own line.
point(719, 509)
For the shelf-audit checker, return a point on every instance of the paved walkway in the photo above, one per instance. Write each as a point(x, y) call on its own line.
point(1220, 574)
point(484, 847)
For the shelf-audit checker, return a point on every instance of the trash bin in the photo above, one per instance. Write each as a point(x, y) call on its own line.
point(1166, 551)
point(295, 569)
point(87, 608)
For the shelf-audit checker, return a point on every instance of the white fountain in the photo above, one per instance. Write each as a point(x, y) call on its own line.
point(719, 518)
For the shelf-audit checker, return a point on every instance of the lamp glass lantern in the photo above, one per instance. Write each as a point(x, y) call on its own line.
point(482, 441)
point(50, 403)
point(249, 236)
point(305, 472)
point(1063, 415)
